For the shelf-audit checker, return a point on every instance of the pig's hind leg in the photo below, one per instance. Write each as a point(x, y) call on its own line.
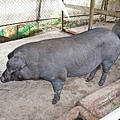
point(106, 65)
point(92, 74)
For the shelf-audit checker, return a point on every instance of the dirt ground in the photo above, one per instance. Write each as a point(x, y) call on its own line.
point(31, 100)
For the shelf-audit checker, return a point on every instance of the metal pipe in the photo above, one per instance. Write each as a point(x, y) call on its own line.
point(115, 115)
point(62, 19)
point(38, 8)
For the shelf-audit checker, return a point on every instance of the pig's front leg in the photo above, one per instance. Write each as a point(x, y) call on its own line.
point(57, 87)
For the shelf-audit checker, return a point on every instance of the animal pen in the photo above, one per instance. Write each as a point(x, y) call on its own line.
point(24, 18)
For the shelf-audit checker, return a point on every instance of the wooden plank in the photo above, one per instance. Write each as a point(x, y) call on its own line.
point(99, 11)
point(70, 31)
point(73, 114)
point(100, 103)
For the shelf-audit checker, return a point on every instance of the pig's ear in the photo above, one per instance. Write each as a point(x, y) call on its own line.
point(10, 55)
point(16, 63)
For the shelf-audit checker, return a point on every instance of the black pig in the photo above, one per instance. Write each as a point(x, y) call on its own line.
point(116, 28)
point(56, 59)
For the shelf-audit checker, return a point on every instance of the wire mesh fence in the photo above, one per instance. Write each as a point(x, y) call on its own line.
point(17, 11)
point(19, 18)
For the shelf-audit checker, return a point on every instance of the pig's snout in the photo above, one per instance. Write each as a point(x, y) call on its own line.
point(2, 79)
point(5, 77)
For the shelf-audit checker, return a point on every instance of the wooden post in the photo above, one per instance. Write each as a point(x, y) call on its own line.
point(105, 8)
point(92, 4)
point(102, 5)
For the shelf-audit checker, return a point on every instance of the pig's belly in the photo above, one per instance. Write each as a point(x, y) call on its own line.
point(77, 71)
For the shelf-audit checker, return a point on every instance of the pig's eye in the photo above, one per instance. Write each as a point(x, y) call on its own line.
point(12, 76)
point(15, 76)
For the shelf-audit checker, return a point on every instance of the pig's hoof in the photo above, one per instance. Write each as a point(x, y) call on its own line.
point(100, 83)
point(54, 101)
point(87, 80)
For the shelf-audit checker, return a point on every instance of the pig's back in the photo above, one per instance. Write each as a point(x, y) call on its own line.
point(86, 49)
